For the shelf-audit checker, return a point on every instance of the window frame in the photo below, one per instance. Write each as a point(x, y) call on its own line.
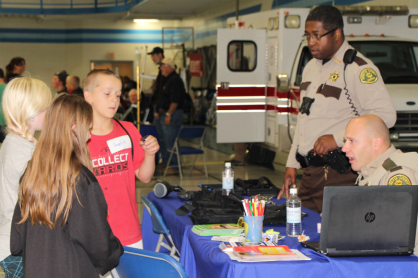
point(242, 55)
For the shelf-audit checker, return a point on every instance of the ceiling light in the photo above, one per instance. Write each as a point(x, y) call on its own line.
point(146, 20)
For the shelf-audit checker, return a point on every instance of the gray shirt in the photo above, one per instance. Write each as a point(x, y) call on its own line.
point(15, 152)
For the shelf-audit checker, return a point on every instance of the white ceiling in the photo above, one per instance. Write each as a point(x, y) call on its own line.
point(173, 9)
point(159, 9)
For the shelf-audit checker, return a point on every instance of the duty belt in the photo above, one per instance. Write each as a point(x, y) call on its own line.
point(336, 159)
point(310, 159)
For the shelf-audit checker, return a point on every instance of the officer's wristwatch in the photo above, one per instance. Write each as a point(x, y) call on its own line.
point(167, 114)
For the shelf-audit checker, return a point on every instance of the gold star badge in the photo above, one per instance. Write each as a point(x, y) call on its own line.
point(334, 76)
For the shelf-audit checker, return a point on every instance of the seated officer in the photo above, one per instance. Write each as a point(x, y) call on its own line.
point(367, 145)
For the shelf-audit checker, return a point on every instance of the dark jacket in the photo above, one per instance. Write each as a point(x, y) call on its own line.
point(84, 247)
point(173, 92)
point(78, 92)
point(158, 87)
point(63, 91)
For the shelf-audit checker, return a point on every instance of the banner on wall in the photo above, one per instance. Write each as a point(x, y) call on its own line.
point(196, 67)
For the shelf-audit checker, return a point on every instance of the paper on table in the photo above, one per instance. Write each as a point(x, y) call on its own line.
point(229, 238)
point(299, 257)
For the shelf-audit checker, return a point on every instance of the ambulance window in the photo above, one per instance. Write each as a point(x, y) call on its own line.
point(305, 57)
point(397, 61)
point(242, 56)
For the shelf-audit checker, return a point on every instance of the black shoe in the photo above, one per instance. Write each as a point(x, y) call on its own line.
point(236, 162)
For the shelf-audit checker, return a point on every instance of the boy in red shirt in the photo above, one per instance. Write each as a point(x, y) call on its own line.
point(117, 155)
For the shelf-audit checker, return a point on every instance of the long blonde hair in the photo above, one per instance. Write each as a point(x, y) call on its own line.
point(23, 99)
point(47, 187)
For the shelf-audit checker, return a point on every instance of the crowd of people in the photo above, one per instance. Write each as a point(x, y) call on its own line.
point(82, 170)
point(68, 201)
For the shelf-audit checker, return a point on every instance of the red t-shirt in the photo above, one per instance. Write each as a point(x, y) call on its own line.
point(111, 156)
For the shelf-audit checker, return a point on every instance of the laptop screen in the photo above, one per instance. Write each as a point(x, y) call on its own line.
point(372, 220)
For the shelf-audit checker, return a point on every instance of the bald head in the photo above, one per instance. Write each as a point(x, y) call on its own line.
point(366, 138)
point(371, 126)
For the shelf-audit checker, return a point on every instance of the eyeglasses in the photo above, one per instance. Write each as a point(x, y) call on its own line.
point(318, 37)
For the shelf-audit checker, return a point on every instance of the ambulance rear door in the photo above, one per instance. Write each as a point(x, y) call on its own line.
point(241, 85)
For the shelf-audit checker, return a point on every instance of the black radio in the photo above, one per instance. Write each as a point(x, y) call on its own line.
point(306, 105)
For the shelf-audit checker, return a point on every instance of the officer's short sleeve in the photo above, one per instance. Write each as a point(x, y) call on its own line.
point(372, 93)
point(403, 176)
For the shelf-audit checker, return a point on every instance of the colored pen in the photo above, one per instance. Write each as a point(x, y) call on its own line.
point(248, 207)
point(245, 209)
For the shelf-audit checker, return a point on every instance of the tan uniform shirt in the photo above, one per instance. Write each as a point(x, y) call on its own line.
point(331, 111)
point(393, 167)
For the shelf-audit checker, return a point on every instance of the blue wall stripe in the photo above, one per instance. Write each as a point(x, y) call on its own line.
point(89, 35)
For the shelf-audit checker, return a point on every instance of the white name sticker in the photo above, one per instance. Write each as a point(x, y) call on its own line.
point(119, 143)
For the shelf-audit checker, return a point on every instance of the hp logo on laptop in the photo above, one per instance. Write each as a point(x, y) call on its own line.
point(370, 217)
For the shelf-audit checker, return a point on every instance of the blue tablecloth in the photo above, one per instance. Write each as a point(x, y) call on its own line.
point(202, 257)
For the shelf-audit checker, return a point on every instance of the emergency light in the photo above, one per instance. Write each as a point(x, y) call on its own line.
point(292, 21)
point(354, 19)
point(413, 21)
point(273, 23)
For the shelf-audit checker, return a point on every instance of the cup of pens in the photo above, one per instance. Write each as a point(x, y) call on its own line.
point(253, 219)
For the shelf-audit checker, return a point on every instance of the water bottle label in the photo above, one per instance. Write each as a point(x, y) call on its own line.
point(227, 183)
point(293, 215)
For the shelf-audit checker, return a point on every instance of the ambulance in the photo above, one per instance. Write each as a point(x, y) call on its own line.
point(261, 57)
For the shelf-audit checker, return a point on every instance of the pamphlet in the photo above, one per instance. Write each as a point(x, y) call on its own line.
point(228, 246)
point(228, 238)
point(263, 252)
point(299, 257)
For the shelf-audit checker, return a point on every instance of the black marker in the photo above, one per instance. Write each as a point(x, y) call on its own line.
point(143, 139)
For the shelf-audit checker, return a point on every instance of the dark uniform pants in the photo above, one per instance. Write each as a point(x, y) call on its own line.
point(313, 182)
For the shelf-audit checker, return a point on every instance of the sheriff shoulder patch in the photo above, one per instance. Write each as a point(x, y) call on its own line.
point(399, 180)
point(368, 76)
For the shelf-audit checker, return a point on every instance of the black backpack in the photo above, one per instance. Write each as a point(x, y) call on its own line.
point(261, 185)
point(211, 207)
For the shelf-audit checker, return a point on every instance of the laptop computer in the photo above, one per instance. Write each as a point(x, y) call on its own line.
point(368, 221)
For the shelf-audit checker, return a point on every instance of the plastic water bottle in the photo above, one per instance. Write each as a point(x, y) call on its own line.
point(293, 214)
point(227, 179)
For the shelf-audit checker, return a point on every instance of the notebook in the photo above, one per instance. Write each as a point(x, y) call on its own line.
point(368, 221)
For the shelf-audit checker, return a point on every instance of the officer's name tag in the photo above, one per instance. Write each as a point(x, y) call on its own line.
point(119, 143)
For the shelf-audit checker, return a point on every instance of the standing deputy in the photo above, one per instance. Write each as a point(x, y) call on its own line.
point(327, 106)
point(367, 145)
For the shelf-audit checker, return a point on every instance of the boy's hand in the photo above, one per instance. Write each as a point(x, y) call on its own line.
point(150, 145)
point(156, 115)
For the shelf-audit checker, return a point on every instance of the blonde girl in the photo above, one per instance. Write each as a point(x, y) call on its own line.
point(59, 224)
point(24, 103)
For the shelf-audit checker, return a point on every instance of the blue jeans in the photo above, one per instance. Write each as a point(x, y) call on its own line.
point(169, 134)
